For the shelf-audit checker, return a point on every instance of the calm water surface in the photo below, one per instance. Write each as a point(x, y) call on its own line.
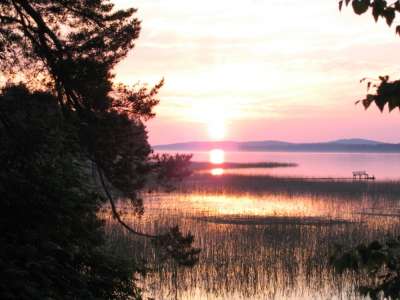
point(384, 166)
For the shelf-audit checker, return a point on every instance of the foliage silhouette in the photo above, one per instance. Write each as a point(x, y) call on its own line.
point(380, 260)
point(387, 92)
point(67, 117)
point(52, 241)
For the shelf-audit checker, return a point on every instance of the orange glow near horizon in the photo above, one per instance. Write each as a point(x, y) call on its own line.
point(217, 156)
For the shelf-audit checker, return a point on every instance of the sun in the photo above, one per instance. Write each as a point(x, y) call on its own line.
point(217, 156)
point(212, 117)
point(216, 129)
point(215, 119)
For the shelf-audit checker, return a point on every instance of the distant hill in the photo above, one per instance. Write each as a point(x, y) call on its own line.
point(356, 142)
point(342, 145)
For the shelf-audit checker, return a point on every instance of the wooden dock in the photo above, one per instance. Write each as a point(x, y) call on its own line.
point(333, 178)
point(362, 175)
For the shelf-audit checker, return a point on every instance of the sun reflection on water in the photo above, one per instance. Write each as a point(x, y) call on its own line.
point(217, 171)
point(217, 157)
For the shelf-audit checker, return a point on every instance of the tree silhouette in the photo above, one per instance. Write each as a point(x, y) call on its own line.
point(67, 116)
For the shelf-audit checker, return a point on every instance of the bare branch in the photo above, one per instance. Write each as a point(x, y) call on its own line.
point(115, 212)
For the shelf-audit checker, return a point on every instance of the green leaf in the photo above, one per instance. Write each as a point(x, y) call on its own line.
point(398, 30)
point(394, 101)
point(360, 6)
point(378, 8)
point(367, 101)
point(384, 78)
point(389, 15)
point(348, 261)
point(375, 245)
point(340, 5)
point(376, 259)
point(397, 5)
point(380, 102)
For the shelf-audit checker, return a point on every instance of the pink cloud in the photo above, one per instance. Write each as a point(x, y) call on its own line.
point(277, 68)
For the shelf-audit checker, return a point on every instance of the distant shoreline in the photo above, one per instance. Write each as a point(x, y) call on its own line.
point(395, 151)
point(339, 146)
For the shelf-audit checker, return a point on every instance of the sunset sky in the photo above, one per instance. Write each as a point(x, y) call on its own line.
point(257, 70)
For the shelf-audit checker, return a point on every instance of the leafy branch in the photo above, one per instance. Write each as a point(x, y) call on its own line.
point(381, 260)
point(386, 92)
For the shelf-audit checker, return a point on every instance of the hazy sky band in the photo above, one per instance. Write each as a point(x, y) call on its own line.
point(272, 69)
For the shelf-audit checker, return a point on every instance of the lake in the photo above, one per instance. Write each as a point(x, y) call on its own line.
point(265, 237)
point(384, 166)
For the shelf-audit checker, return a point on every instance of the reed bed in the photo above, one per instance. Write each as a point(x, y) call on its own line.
point(261, 238)
point(236, 183)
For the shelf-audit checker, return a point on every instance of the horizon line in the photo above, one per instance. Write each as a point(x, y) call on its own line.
point(275, 140)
